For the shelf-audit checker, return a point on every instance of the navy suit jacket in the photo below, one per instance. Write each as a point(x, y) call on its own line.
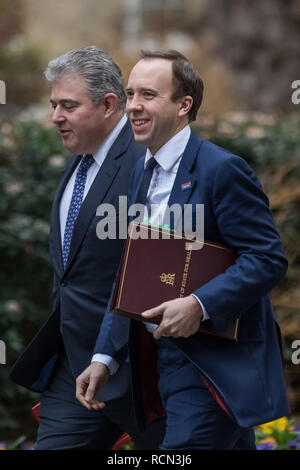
point(247, 374)
point(81, 291)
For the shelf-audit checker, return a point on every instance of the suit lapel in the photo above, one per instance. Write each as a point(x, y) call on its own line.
point(139, 173)
point(99, 188)
point(185, 181)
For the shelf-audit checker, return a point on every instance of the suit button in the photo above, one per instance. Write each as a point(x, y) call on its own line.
point(64, 283)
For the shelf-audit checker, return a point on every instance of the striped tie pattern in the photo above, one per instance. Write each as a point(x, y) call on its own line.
point(75, 204)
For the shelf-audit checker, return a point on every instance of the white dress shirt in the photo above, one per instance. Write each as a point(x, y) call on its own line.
point(162, 181)
point(99, 158)
point(164, 174)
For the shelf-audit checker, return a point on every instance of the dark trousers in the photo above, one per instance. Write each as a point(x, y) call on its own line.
point(194, 418)
point(67, 425)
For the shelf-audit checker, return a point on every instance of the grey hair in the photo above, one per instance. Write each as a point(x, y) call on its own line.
point(102, 75)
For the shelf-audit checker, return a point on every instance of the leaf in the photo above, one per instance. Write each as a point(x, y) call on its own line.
point(17, 443)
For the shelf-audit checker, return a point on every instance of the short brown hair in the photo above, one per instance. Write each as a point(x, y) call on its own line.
point(186, 78)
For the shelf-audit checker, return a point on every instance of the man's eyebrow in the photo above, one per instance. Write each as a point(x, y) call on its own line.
point(64, 101)
point(142, 89)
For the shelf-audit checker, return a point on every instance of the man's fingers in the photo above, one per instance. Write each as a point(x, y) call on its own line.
point(91, 391)
point(157, 334)
point(90, 396)
point(161, 330)
point(85, 390)
point(86, 396)
point(82, 400)
point(89, 383)
point(95, 404)
point(98, 405)
point(81, 387)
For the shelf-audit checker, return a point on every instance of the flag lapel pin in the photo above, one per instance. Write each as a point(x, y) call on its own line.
point(186, 185)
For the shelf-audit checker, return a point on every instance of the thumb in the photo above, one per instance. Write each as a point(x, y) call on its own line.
point(153, 312)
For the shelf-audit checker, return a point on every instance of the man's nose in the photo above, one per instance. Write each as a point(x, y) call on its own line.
point(58, 115)
point(133, 104)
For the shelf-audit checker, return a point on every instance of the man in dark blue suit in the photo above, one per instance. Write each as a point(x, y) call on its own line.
point(88, 103)
point(214, 390)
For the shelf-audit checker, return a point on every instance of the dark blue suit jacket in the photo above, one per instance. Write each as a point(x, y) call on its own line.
point(248, 374)
point(81, 291)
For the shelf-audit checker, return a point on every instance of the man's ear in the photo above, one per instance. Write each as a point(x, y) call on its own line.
point(110, 103)
point(186, 102)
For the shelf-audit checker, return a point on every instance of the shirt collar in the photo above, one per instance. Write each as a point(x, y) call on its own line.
point(101, 153)
point(170, 152)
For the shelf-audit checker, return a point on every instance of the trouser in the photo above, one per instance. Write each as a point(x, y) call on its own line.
point(67, 425)
point(195, 420)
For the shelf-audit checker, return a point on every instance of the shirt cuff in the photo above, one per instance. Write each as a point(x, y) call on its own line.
point(205, 314)
point(108, 361)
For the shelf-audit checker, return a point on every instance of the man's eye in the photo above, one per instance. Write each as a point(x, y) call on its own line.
point(69, 107)
point(148, 94)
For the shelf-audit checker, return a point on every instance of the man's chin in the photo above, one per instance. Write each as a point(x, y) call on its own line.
point(69, 146)
point(141, 139)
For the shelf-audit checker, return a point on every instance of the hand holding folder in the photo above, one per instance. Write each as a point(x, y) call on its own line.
point(180, 317)
point(157, 267)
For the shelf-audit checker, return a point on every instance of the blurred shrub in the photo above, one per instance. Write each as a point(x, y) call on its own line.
point(271, 145)
point(31, 162)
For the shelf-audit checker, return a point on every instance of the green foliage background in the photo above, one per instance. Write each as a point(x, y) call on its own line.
point(31, 163)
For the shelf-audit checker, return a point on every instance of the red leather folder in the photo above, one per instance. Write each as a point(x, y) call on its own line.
point(159, 265)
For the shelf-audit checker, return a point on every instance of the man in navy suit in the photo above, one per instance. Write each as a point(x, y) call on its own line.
point(88, 103)
point(214, 390)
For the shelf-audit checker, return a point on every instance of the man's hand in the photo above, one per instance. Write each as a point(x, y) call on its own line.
point(180, 317)
point(89, 383)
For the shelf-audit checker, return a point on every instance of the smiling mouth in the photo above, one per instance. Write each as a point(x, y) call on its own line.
point(139, 122)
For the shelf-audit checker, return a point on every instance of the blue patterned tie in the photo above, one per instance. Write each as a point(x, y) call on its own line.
point(75, 204)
